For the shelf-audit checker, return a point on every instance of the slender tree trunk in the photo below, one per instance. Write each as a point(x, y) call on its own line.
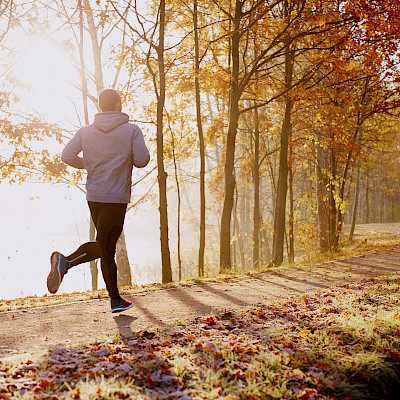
point(235, 234)
point(92, 230)
point(239, 236)
point(242, 226)
point(322, 210)
point(332, 211)
point(162, 175)
point(225, 234)
point(392, 217)
point(291, 208)
point(178, 189)
point(256, 180)
point(98, 69)
point(124, 277)
point(280, 203)
point(367, 199)
point(94, 272)
point(201, 143)
point(355, 205)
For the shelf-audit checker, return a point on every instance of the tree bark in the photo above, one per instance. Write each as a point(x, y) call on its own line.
point(281, 193)
point(124, 275)
point(178, 190)
point(355, 205)
point(201, 143)
point(225, 233)
point(321, 207)
point(98, 69)
point(94, 272)
point(332, 210)
point(256, 180)
point(291, 208)
point(92, 230)
point(162, 175)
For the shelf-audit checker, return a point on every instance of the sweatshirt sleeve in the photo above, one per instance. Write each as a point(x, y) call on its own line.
point(140, 153)
point(70, 153)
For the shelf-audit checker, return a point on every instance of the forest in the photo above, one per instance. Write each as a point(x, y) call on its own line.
point(273, 124)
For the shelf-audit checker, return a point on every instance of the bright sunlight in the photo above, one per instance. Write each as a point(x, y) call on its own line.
point(46, 70)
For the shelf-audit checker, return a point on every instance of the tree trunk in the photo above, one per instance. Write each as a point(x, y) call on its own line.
point(93, 264)
point(178, 189)
point(92, 230)
point(239, 237)
point(256, 180)
point(162, 175)
point(355, 205)
point(322, 210)
point(225, 234)
point(281, 193)
point(124, 277)
point(98, 69)
point(291, 208)
point(367, 199)
point(201, 143)
point(332, 210)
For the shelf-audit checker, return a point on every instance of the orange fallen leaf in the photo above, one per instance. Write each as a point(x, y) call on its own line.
point(215, 393)
point(297, 374)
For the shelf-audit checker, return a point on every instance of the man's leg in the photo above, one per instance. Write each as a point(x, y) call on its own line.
point(86, 252)
point(60, 264)
point(109, 221)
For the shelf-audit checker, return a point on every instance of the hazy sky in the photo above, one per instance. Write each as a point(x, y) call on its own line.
point(40, 218)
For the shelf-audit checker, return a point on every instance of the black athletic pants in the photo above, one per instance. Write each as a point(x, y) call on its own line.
point(109, 221)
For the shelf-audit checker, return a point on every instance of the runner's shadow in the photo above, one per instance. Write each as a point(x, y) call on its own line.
point(124, 324)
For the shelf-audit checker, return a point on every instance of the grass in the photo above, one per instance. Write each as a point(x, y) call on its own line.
point(337, 343)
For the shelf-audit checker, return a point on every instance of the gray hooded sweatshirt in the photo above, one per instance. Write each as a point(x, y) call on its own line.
point(110, 147)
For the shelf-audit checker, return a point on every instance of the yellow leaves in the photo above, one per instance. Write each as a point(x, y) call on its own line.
point(304, 333)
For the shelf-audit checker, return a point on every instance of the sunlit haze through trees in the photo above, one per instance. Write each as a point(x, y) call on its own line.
point(275, 122)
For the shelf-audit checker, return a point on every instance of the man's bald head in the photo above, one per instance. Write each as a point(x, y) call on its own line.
point(109, 100)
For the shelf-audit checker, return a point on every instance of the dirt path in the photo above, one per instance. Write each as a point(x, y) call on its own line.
point(31, 330)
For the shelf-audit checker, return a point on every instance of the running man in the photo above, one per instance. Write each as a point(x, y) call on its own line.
point(111, 146)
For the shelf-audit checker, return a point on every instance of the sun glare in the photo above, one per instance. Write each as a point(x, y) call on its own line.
point(44, 67)
point(46, 70)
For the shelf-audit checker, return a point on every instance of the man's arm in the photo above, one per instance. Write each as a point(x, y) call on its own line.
point(70, 153)
point(140, 153)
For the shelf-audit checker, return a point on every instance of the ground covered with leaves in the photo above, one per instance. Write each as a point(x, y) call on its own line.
point(338, 343)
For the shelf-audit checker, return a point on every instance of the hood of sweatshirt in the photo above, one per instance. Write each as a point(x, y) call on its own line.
point(109, 120)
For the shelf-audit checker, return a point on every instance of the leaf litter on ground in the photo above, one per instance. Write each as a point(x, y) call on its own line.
point(337, 343)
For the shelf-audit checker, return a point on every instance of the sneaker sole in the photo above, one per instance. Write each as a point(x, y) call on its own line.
point(53, 280)
point(117, 310)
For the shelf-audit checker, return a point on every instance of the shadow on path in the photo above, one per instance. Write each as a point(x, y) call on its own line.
point(149, 315)
point(190, 301)
point(225, 296)
point(372, 264)
point(288, 288)
point(303, 281)
point(124, 324)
